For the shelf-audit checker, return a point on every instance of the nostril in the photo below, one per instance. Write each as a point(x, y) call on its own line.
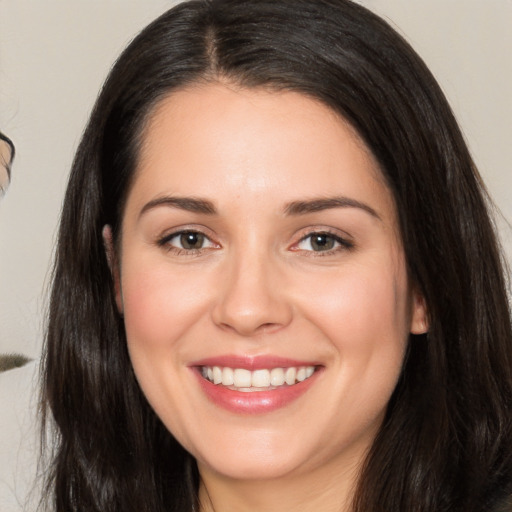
point(269, 327)
point(250, 329)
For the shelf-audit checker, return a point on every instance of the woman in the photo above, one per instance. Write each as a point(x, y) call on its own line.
point(7, 152)
point(277, 285)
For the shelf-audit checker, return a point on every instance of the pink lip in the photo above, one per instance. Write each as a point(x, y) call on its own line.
point(257, 402)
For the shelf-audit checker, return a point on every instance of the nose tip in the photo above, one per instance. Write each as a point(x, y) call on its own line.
point(251, 302)
point(249, 323)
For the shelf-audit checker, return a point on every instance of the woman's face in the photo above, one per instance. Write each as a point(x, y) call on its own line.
point(5, 162)
point(262, 282)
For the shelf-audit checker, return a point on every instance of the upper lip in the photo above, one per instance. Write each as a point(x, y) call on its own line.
point(252, 362)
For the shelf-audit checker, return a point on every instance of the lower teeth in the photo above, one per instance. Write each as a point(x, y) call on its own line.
point(251, 390)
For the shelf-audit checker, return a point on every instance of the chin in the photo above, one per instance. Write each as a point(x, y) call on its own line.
point(251, 468)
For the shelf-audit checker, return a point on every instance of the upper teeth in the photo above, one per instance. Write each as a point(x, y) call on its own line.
point(264, 378)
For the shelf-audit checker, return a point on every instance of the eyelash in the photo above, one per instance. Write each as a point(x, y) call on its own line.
point(342, 243)
point(178, 251)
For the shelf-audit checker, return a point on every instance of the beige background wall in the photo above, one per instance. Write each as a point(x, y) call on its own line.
point(54, 55)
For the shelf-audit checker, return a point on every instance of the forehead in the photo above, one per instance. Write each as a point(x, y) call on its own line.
point(255, 141)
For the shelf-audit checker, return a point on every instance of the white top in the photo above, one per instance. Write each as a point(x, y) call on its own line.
point(19, 439)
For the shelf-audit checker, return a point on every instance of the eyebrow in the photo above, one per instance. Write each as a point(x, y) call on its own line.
point(196, 205)
point(189, 204)
point(317, 205)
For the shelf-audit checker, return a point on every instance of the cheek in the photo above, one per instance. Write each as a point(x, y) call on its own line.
point(360, 305)
point(160, 306)
point(162, 313)
point(366, 316)
point(364, 312)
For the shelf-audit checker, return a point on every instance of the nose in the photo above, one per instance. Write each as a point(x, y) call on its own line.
point(252, 297)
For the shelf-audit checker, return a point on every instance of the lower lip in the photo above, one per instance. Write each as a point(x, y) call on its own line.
point(254, 402)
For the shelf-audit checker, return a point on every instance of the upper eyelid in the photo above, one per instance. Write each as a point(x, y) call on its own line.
point(167, 238)
point(170, 232)
point(343, 238)
point(339, 240)
point(164, 243)
point(334, 232)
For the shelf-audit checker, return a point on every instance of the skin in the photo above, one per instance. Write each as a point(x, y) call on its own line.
point(5, 161)
point(258, 286)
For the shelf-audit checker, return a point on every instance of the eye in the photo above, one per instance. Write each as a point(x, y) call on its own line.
point(187, 241)
point(322, 242)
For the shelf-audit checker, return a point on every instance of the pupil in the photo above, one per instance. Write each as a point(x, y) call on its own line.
point(322, 242)
point(191, 240)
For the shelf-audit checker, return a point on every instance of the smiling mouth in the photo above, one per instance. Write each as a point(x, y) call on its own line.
point(241, 379)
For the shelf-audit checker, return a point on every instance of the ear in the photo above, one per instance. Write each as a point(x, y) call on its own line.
point(113, 265)
point(419, 317)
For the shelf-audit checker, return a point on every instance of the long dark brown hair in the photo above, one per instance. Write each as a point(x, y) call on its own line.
point(446, 442)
